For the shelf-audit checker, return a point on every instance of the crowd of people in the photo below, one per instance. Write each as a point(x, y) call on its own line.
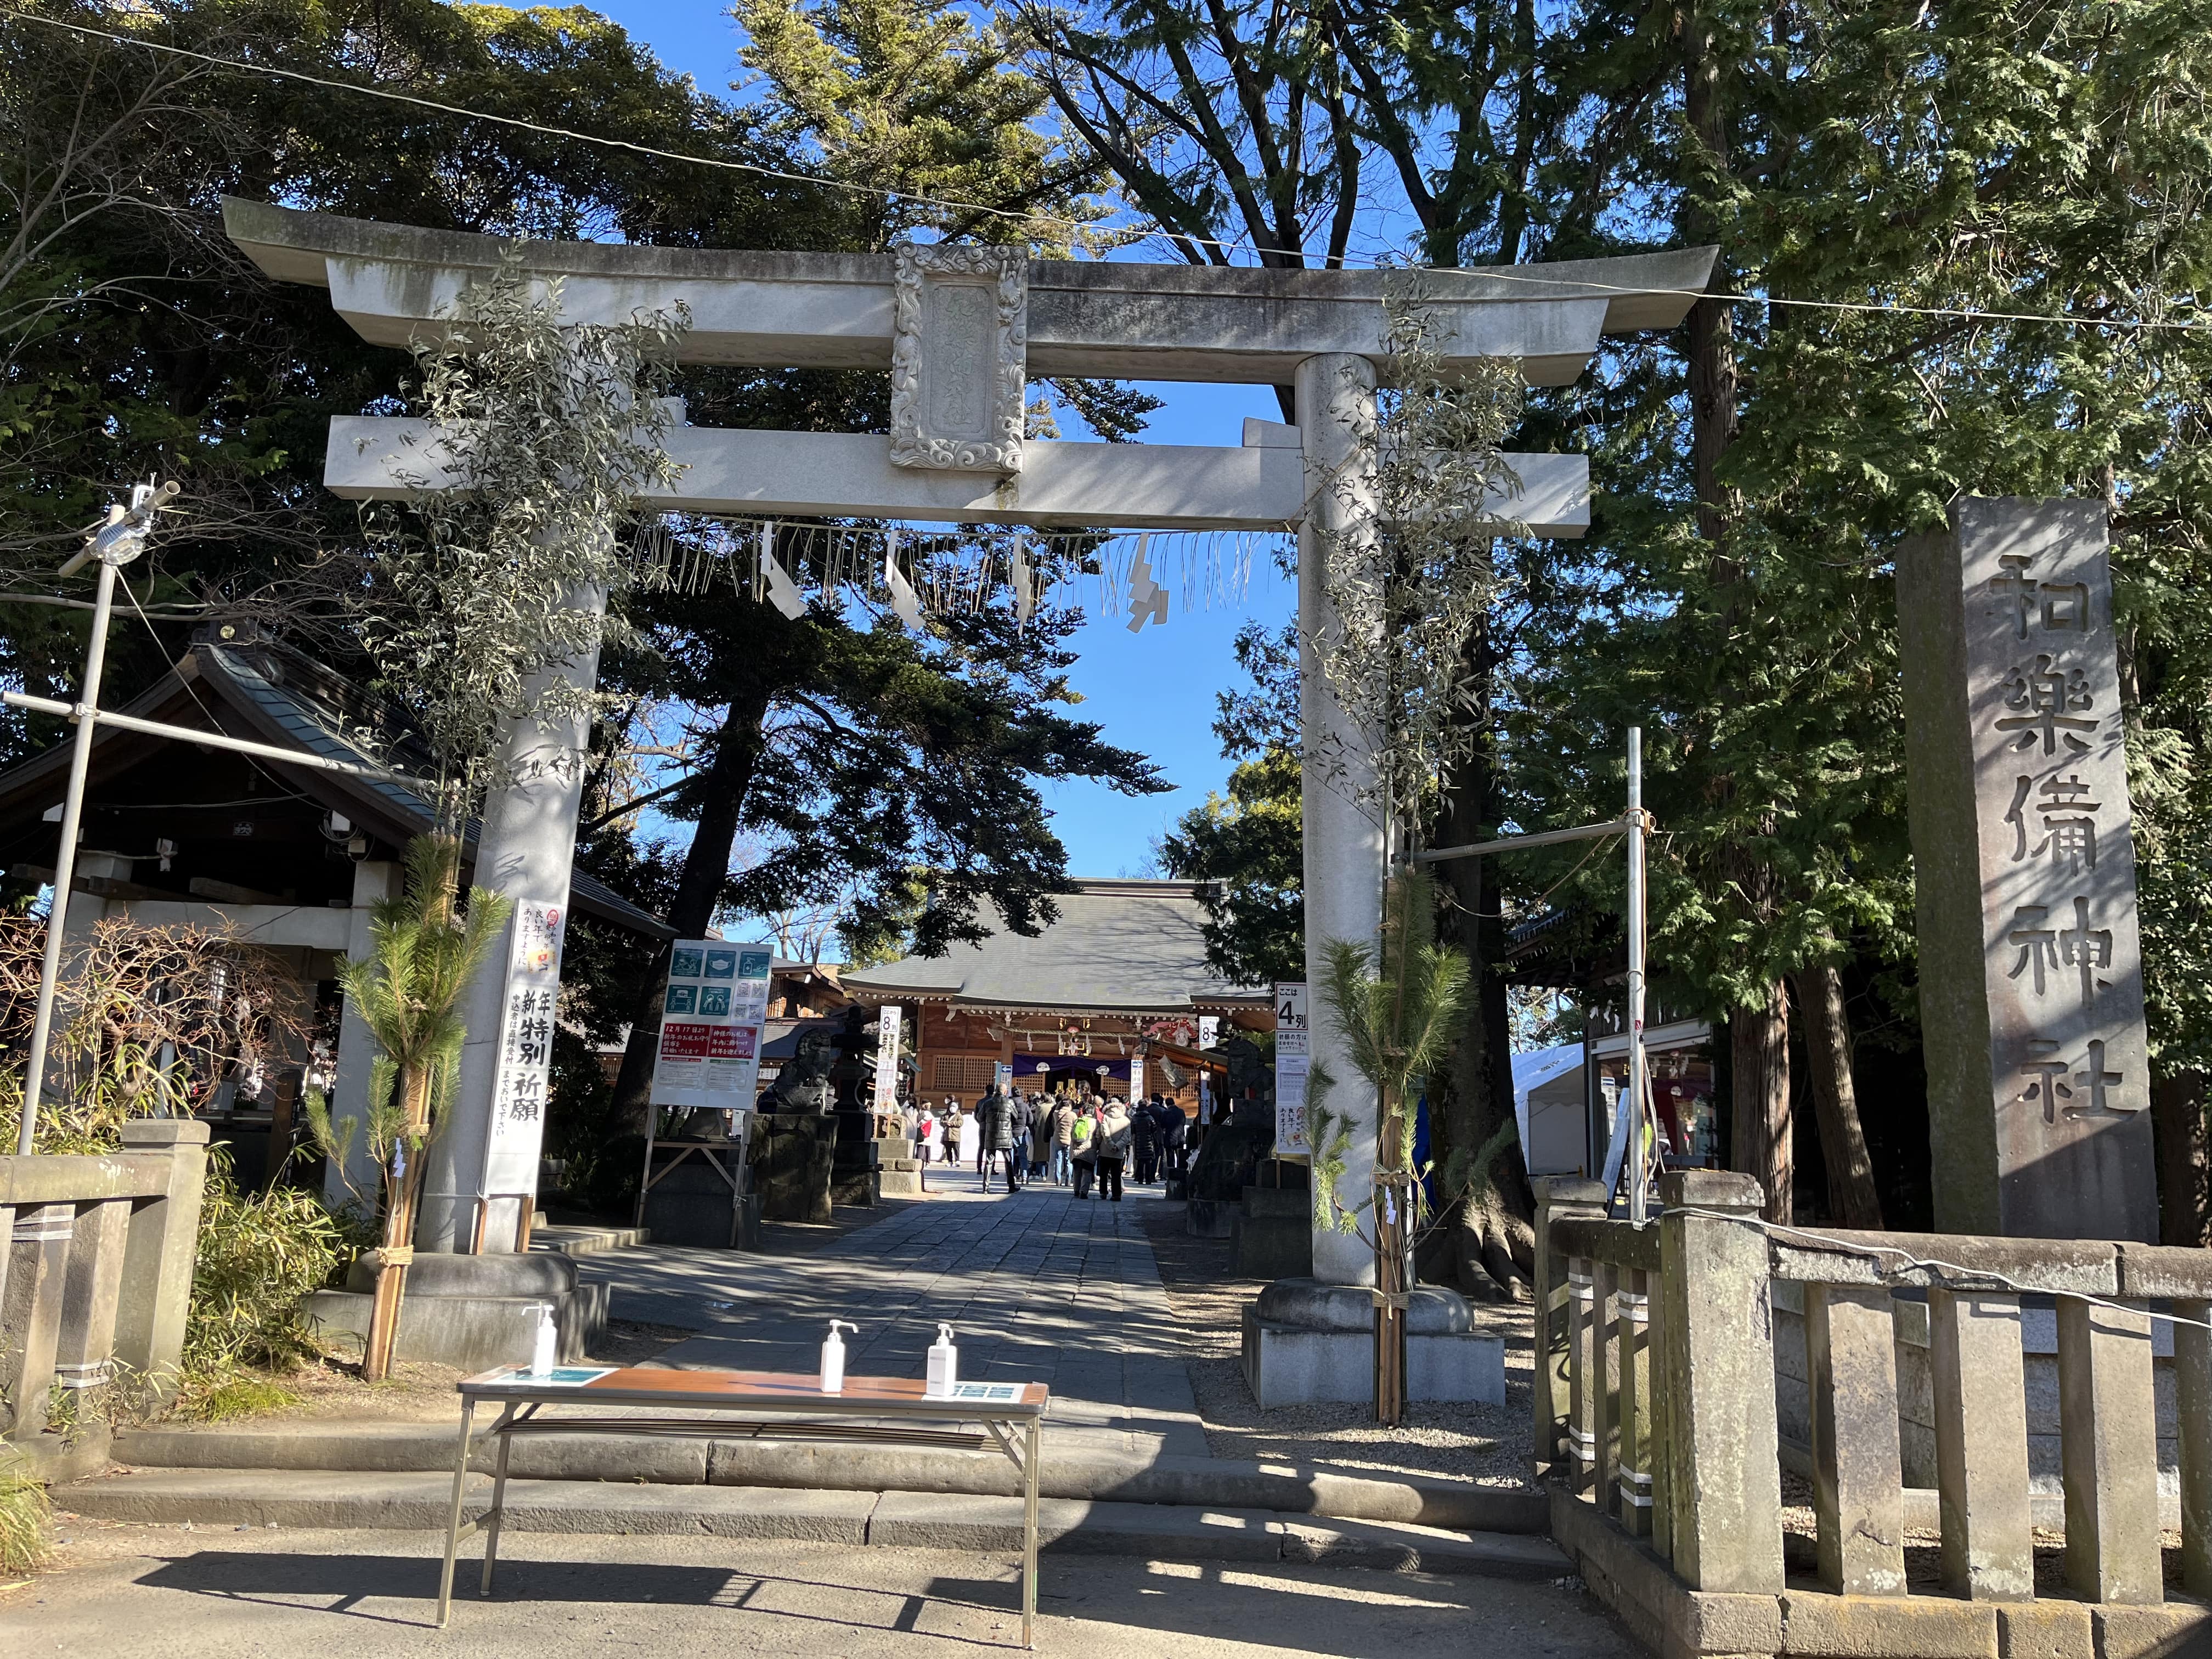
point(1065, 1138)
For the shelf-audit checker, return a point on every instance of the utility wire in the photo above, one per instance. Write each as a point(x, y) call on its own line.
point(1489, 273)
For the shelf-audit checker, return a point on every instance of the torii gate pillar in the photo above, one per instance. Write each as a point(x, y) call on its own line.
point(1343, 841)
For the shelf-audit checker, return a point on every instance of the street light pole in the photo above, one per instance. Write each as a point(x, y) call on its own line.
point(115, 544)
point(1636, 1066)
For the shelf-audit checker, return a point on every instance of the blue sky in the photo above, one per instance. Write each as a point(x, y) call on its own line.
point(1153, 691)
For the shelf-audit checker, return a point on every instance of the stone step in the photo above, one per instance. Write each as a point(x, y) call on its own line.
point(905, 1519)
point(340, 1448)
point(587, 1241)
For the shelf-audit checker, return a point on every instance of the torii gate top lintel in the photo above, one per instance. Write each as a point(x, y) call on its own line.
point(395, 283)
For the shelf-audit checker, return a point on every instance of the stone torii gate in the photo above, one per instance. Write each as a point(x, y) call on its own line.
point(961, 329)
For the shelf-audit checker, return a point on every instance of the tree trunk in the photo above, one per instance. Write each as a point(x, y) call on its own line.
point(698, 892)
point(1494, 1228)
point(2177, 1113)
point(1759, 1052)
point(1852, 1200)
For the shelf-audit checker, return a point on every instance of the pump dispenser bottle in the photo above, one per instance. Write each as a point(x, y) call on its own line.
point(944, 1366)
point(833, 1357)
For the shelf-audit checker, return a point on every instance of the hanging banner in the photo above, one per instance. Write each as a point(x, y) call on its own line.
point(711, 1017)
point(526, 1052)
point(887, 1060)
point(1294, 1057)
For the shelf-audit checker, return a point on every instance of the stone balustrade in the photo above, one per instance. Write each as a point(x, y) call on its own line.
point(1657, 1430)
point(97, 1272)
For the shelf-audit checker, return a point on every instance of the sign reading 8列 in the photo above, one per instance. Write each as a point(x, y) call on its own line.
point(711, 1017)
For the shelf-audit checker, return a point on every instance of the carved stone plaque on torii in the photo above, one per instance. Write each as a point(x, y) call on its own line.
point(961, 330)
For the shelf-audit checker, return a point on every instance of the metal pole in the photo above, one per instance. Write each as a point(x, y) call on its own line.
point(1635, 1082)
point(34, 1080)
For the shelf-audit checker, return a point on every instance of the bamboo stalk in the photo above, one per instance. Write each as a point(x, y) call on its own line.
point(398, 1236)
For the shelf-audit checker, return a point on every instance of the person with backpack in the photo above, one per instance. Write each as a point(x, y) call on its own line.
point(1085, 1156)
point(1063, 1140)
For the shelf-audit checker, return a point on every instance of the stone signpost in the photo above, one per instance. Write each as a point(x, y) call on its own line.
point(2031, 975)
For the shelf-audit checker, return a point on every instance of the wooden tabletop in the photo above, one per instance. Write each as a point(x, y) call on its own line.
point(770, 1390)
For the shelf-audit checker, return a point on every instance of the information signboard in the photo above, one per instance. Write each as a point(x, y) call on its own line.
point(711, 1017)
point(887, 1059)
point(1294, 1057)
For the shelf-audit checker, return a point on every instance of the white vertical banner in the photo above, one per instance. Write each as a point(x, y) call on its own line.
point(710, 1024)
point(527, 1013)
point(1293, 1057)
point(887, 1058)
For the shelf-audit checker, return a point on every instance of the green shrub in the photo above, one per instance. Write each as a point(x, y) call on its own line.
point(227, 1397)
point(260, 1254)
point(27, 1521)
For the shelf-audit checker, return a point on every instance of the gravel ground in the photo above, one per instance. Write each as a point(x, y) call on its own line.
point(1484, 1445)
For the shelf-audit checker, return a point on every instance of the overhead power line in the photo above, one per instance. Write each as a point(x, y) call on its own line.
point(1490, 273)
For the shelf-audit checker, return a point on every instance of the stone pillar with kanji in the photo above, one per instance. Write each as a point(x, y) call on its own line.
point(2030, 972)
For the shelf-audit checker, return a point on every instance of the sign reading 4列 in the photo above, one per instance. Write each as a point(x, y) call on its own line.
point(712, 1014)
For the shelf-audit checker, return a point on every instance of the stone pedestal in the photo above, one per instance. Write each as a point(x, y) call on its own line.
point(692, 1204)
point(854, 1171)
point(1273, 1230)
point(794, 1157)
point(2031, 974)
point(1308, 1343)
point(899, 1172)
point(470, 1311)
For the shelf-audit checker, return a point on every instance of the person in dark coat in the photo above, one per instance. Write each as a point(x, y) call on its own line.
point(994, 1139)
point(1023, 1116)
point(1145, 1140)
point(1175, 1137)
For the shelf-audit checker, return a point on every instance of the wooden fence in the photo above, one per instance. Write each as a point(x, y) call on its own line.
point(1655, 1426)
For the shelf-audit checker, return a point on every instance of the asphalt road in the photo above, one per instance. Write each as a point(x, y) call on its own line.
point(155, 1592)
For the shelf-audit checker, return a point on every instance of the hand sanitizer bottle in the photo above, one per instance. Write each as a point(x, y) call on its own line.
point(833, 1357)
point(545, 1351)
point(944, 1366)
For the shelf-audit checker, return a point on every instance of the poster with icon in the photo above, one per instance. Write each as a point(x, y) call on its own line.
point(712, 1016)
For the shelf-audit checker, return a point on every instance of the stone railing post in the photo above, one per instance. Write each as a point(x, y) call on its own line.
point(1724, 1483)
point(1980, 1386)
point(93, 1280)
point(1557, 1198)
point(2108, 1452)
point(162, 1245)
point(37, 1247)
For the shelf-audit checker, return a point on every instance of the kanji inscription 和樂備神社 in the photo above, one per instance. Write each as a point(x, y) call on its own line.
point(2031, 974)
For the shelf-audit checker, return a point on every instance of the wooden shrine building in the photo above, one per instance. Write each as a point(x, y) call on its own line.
point(1114, 995)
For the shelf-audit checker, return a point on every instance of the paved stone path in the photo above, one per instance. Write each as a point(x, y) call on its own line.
point(1038, 1287)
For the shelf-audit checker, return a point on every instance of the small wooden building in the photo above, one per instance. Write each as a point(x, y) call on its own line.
point(1114, 995)
point(287, 859)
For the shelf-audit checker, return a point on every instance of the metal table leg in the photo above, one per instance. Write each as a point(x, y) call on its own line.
point(453, 1515)
point(498, 1500)
point(1033, 1446)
